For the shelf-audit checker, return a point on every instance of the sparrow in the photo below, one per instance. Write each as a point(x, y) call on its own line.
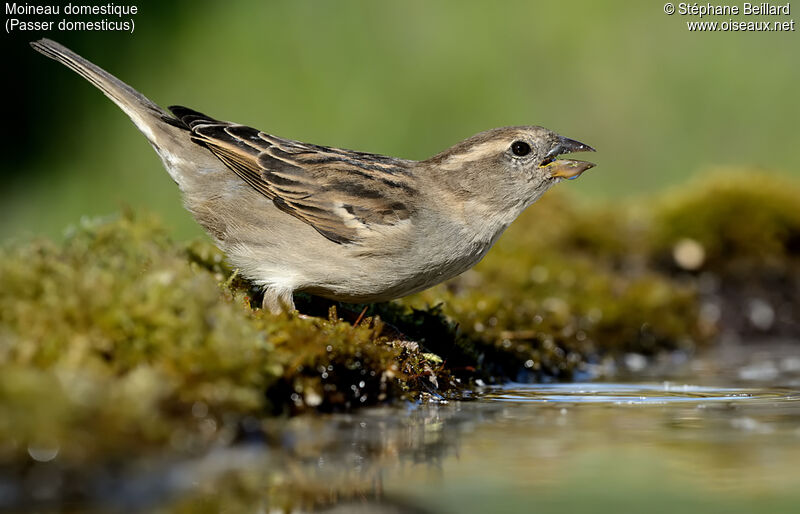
point(346, 225)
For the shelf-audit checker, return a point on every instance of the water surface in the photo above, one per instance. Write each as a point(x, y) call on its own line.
point(721, 433)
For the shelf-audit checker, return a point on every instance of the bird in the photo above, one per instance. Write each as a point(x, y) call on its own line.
point(349, 226)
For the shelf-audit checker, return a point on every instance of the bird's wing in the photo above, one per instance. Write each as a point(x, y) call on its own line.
point(341, 193)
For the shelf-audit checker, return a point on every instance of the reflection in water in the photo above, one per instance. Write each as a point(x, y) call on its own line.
point(548, 448)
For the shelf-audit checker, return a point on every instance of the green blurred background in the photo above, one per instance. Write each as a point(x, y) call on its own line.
point(408, 79)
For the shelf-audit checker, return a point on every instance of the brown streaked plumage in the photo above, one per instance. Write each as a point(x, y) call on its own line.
point(308, 181)
point(346, 225)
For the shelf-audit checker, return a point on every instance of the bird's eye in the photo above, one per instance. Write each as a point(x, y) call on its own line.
point(520, 148)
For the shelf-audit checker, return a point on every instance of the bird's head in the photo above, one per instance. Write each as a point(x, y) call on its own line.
point(511, 163)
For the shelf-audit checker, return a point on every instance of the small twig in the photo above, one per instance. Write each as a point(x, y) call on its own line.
point(361, 316)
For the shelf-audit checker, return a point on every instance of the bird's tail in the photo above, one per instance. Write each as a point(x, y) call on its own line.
point(159, 126)
point(128, 99)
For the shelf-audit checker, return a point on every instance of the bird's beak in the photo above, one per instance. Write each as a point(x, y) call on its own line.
point(566, 168)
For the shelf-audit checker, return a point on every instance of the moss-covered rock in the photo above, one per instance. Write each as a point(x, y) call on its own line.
point(743, 222)
point(118, 339)
point(118, 343)
point(736, 238)
point(565, 285)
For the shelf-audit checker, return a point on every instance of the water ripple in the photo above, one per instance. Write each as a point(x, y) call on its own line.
point(634, 394)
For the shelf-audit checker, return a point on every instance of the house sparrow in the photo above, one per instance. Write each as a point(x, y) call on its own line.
point(345, 225)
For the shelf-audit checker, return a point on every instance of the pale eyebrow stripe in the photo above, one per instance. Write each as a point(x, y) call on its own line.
point(474, 153)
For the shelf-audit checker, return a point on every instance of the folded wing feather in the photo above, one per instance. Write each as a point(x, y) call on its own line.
point(341, 193)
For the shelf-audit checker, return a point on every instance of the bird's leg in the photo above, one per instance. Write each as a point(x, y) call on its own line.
point(278, 300)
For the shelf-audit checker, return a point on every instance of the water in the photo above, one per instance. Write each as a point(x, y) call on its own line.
point(602, 447)
point(720, 434)
point(665, 393)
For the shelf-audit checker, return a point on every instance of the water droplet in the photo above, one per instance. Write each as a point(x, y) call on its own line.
point(43, 453)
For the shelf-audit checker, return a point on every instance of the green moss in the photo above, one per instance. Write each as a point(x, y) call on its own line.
point(742, 221)
point(551, 311)
point(119, 331)
point(118, 339)
point(736, 238)
point(118, 343)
